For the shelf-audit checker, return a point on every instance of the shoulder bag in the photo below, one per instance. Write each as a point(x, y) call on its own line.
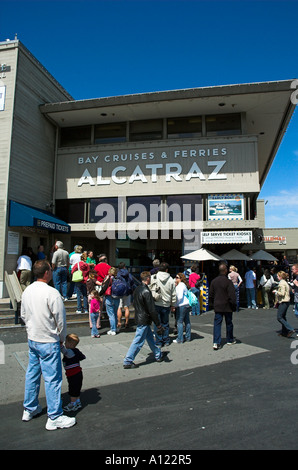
point(77, 275)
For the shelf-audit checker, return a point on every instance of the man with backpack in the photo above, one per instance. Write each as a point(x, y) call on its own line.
point(113, 288)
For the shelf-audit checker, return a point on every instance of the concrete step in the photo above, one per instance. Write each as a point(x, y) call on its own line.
point(72, 318)
point(7, 316)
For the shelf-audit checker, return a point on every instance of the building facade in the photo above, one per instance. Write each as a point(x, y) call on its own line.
point(27, 143)
point(136, 176)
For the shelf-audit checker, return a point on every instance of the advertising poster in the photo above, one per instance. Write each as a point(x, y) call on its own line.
point(226, 207)
point(227, 236)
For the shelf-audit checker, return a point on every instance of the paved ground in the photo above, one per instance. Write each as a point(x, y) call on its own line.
point(240, 397)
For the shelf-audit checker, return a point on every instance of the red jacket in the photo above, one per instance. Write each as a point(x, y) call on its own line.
point(84, 267)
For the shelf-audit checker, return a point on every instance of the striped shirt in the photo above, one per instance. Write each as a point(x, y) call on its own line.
point(71, 361)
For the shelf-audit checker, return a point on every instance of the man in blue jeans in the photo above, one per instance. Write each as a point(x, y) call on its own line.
point(250, 284)
point(60, 263)
point(144, 315)
point(223, 298)
point(43, 313)
point(166, 302)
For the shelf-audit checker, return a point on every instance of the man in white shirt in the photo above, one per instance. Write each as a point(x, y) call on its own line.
point(24, 266)
point(250, 284)
point(43, 313)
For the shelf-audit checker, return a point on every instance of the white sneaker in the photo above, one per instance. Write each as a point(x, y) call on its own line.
point(60, 422)
point(78, 311)
point(27, 415)
point(110, 332)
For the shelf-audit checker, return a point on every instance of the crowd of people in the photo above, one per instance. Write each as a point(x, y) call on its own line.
point(93, 282)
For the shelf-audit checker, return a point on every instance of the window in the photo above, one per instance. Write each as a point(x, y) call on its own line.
point(147, 208)
point(223, 124)
point(74, 136)
point(105, 208)
point(110, 133)
point(179, 128)
point(71, 211)
point(146, 130)
point(184, 208)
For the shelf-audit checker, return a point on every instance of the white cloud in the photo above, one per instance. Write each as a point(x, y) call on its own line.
point(286, 199)
point(281, 209)
point(273, 221)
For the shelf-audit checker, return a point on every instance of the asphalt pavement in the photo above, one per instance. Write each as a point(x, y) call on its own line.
point(241, 397)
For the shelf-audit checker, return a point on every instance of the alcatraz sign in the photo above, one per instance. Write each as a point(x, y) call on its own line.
point(169, 171)
point(132, 168)
point(145, 172)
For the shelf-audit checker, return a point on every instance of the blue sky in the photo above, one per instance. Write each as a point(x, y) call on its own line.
point(115, 47)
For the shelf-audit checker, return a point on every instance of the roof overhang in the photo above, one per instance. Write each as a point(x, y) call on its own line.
point(267, 106)
point(21, 215)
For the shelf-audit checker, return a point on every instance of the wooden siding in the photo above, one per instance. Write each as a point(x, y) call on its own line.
point(9, 57)
point(27, 139)
point(33, 145)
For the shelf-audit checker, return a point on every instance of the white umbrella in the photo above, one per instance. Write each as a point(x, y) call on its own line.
point(235, 255)
point(262, 255)
point(201, 255)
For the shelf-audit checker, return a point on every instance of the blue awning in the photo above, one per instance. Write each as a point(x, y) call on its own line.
point(21, 215)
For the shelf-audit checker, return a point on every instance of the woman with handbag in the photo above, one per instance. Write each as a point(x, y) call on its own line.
point(80, 273)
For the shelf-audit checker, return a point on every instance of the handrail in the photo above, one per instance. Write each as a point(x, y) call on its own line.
point(14, 291)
